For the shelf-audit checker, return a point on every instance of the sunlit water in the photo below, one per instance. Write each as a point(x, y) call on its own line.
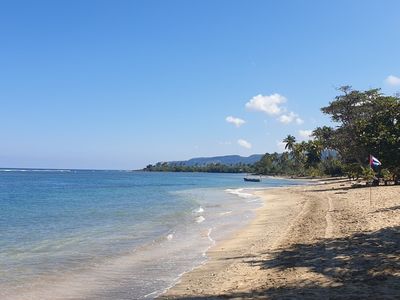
point(67, 234)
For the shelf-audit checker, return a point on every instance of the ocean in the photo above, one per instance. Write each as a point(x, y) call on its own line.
point(82, 234)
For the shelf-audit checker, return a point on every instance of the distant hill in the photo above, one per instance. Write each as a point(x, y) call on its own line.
point(224, 160)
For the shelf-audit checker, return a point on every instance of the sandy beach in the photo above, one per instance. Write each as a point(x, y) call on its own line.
point(324, 241)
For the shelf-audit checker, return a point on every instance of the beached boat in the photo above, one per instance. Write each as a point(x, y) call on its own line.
point(252, 179)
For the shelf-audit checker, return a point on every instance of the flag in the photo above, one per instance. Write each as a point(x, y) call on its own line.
point(373, 161)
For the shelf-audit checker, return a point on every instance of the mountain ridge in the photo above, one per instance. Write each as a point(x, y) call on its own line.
point(224, 160)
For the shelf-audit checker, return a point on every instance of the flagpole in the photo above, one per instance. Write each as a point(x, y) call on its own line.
point(370, 187)
point(373, 161)
point(370, 192)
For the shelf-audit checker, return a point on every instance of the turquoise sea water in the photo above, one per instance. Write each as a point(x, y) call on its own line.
point(69, 234)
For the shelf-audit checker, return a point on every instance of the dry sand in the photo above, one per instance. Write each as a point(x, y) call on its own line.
point(324, 241)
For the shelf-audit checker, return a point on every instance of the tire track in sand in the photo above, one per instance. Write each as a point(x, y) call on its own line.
point(329, 219)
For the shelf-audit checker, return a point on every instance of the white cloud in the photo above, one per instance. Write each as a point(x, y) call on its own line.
point(305, 134)
point(244, 144)
point(236, 121)
point(392, 80)
point(289, 118)
point(268, 104)
point(281, 146)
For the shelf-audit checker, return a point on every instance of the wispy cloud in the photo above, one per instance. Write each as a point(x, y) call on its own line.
point(236, 121)
point(244, 144)
point(271, 104)
point(392, 80)
point(290, 118)
point(305, 134)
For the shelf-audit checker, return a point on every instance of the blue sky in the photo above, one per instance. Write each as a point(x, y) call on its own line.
point(119, 84)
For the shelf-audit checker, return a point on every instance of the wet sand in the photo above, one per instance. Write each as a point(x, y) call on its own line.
point(325, 241)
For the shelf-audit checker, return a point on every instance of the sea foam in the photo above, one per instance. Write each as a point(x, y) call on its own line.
point(239, 192)
point(200, 219)
point(198, 210)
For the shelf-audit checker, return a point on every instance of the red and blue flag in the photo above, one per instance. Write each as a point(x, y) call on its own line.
point(373, 161)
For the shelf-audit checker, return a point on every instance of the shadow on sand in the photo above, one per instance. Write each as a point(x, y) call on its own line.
point(361, 266)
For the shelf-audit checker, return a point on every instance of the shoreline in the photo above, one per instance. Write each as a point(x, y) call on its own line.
point(290, 249)
point(237, 240)
point(252, 192)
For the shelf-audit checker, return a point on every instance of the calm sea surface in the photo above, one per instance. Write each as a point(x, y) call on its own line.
point(68, 234)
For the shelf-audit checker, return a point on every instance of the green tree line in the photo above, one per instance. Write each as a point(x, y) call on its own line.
point(209, 168)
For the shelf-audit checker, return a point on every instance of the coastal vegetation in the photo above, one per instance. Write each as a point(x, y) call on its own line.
point(364, 123)
point(209, 168)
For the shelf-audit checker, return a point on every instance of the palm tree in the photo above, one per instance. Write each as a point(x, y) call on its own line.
point(299, 156)
point(325, 136)
point(290, 141)
point(313, 151)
